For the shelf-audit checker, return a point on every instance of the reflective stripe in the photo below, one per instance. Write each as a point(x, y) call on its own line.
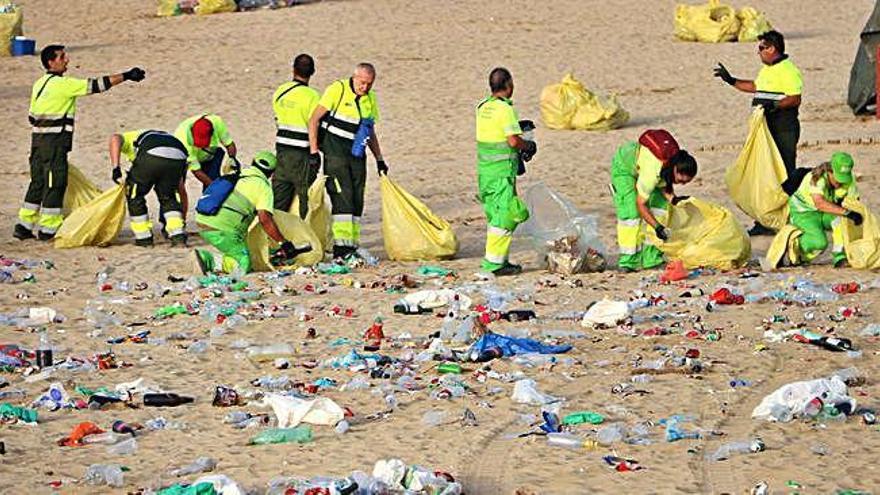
point(344, 242)
point(167, 152)
point(345, 118)
point(494, 258)
point(339, 132)
point(293, 128)
point(52, 130)
point(628, 250)
point(139, 219)
point(629, 223)
point(48, 230)
point(343, 218)
point(296, 143)
point(356, 219)
point(172, 214)
point(493, 157)
point(492, 230)
point(142, 234)
point(30, 206)
point(658, 212)
point(51, 211)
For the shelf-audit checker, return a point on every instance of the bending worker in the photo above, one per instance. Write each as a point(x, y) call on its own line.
point(642, 177)
point(345, 117)
point(293, 103)
point(205, 137)
point(778, 89)
point(227, 229)
point(815, 208)
point(52, 113)
point(499, 146)
point(158, 160)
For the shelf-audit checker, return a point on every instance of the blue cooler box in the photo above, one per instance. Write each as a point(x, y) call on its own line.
point(23, 46)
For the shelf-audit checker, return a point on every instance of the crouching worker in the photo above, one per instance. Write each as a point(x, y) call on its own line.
point(226, 210)
point(158, 161)
point(815, 208)
point(642, 178)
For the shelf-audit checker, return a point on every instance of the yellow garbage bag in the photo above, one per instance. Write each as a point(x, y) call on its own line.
point(783, 247)
point(10, 27)
point(215, 6)
point(709, 23)
point(862, 243)
point(752, 24)
point(318, 217)
point(705, 234)
point(755, 180)
point(411, 231)
point(294, 229)
point(80, 190)
point(96, 223)
point(570, 105)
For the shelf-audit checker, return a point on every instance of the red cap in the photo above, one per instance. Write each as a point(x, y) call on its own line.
point(201, 132)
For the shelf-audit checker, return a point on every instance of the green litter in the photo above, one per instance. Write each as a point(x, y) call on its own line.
point(21, 413)
point(582, 417)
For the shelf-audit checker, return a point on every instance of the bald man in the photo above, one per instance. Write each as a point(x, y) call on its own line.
point(345, 118)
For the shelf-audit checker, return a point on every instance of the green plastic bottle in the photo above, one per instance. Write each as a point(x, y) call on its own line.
point(453, 368)
point(300, 434)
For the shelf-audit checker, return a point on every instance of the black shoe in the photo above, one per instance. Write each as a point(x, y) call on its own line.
point(22, 233)
point(759, 229)
point(45, 236)
point(148, 242)
point(342, 252)
point(841, 263)
point(178, 240)
point(298, 251)
point(507, 269)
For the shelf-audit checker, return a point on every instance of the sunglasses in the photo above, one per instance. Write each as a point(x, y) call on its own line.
point(762, 47)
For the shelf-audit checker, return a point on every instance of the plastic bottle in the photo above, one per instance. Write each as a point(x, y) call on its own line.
point(566, 440)
point(104, 474)
point(610, 434)
point(44, 351)
point(300, 434)
point(342, 427)
point(465, 331)
point(166, 400)
point(200, 465)
point(453, 368)
point(272, 352)
point(745, 447)
point(126, 447)
point(450, 324)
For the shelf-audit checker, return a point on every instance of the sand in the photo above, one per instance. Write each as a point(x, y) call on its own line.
point(432, 60)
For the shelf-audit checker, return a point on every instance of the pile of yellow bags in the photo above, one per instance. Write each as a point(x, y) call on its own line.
point(715, 22)
point(10, 27)
point(755, 180)
point(294, 229)
point(97, 223)
point(705, 234)
point(569, 105)
point(411, 231)
point(168, 8)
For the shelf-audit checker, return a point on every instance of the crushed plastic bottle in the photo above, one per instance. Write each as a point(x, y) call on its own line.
point(126, 447)
point(104, 474)
point(730, 449)
point(200, 465)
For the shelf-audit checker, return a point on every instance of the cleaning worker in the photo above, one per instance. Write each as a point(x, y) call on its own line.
point(345, 118)
point(816, 207)
point(643, 173)
point(227, 228)
point(52, 114)
point(500, 146)
point(205, 137)
point(778, 89)
point(293, 103)
point(158, 160)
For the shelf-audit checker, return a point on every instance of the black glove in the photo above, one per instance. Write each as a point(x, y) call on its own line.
point(855, 216)
point(528, 151)
point(135, 74)
point(287, 250)
point(769, 105)
point(722, 73)
point(662, 232)
point(678, 199)
point(381, 167)
point(116, 174)
point(315, 160)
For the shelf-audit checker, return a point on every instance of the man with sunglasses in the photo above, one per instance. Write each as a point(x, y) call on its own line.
point(778, 89)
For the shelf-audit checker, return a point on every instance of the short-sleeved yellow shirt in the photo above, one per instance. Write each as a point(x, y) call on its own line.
point(649, 168)
point(782, 77)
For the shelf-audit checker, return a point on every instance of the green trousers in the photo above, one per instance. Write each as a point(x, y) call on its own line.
point(292, 178)
point(504, 210)
point(635, 250)
point(813, 241)
point(232, 245)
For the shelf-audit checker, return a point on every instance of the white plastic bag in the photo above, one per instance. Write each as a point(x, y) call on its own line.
point(606, 313)
point(789, 401)
point(291, 411)
point(526, 392)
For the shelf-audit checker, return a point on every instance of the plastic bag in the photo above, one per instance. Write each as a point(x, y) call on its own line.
point(291, 411)
point(709, 23)
point(569, 105)
point(318, 216)
point(10, 27)
point(862, 243)
point(206, 7)
point(294, 229)
point(791, 400)
point(755, 180)
point(567, 238)
point(706, 234)
point(752, 24)
point(96, 223)
point(80, 190)
point(410, 230)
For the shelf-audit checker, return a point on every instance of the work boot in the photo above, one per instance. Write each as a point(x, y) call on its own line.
point(507, 269)
point(342, 252)
point(45, 236)
point(202, 262)
point(759, 229)
point(148, 242)
point(22, 233)
point(841, 263)
point(178, 240)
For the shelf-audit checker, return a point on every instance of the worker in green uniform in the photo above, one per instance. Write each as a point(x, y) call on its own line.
point(52, 114)
point(816, 207)
point(642, 176)
point(227, 230)
point(347, 109)
point(293, 104)
point(158, 161)
point(499, 148)
point(205, 137)
point(778, 89)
